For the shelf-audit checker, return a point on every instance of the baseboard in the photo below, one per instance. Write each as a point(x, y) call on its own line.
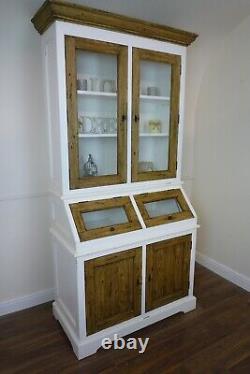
point(224, 271)
point(27, 301)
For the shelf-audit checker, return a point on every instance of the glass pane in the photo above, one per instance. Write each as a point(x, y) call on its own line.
point(97, 113)
point(162, 207)
point(155, 86)
point(104, 218)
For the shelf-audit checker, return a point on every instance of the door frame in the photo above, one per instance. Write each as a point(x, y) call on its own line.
point(71, 45)
point(175, 62)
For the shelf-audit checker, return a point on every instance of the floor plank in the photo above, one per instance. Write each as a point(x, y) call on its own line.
point(215, 338)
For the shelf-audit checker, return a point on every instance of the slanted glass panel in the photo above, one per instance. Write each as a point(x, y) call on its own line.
point(104, 218)
point(108, 217)
point(158, 208)
point(162, 207)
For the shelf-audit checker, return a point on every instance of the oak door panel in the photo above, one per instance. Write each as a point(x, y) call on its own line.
point(167, 271)
point(73, 45)
point(113, 289)
point(139, 152)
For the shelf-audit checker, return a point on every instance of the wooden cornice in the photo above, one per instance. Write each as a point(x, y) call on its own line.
point(53, 10)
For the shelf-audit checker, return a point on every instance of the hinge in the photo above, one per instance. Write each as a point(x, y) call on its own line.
point(191, 244)
point(180, 69)
point(178, 118)
point(176, 165)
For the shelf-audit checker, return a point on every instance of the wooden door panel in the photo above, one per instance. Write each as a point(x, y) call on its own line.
point(167, 274)
point(77, 178)
point(168, 154)
point(113, 289)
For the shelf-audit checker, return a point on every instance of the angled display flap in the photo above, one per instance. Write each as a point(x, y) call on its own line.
point(163, 207)
point(100, 218)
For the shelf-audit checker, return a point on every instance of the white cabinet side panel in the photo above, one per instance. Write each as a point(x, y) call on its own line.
point(66, 283)
point(50, 69)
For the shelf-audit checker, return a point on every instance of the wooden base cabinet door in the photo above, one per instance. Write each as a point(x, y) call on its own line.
point(112, 289)
point(167, 274)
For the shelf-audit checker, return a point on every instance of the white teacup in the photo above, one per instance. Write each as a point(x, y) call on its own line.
point(95, 84)
point(108, 85)
point(82, 84)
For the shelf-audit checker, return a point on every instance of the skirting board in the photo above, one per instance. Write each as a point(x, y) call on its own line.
point(27, 301)
point(224, 271)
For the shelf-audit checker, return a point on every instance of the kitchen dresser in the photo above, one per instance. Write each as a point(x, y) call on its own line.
point(122, 228)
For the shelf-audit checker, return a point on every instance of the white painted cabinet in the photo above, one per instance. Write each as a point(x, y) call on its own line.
point(121, 225)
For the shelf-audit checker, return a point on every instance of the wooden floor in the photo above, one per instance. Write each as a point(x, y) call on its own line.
point(215, 338)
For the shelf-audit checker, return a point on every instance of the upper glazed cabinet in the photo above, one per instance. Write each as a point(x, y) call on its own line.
point(97, 82)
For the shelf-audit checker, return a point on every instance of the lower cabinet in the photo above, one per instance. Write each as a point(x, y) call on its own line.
point(112, 289)
point(167, 271)
point(113, 282)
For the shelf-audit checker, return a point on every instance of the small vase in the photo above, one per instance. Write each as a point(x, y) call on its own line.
point(90, 167)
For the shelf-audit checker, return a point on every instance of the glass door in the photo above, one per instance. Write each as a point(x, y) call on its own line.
point(100, 218)
point(158, 208)
point(155, 111)
point(97, 111)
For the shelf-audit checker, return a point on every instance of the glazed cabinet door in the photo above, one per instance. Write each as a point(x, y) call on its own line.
point(155, 114)
point(112, 289)
point(96, 78)
point(167, 271)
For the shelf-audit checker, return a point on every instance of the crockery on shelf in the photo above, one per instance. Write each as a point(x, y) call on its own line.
point(80, 124)
point(90, 167)
point(95, 84)
point(153, 91)
point(108, 85)
point(82, 84)
point(154, 126)
point(86, 124)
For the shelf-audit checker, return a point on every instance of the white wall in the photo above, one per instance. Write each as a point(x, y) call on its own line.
point(220, 117)
point(25, 256)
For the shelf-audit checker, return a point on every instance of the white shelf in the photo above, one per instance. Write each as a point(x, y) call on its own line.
point(156, 135)
point(154, 98)
point(97, 93)
point(144, 135)
point(97, 135)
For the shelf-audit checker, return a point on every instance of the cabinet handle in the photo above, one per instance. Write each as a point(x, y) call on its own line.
point(137, 118)
point(124, 117)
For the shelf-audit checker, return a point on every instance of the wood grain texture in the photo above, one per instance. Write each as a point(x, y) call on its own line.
point(78, 209)
point(53, 10)
point(171, 150)
point(71, 77)
point(113, 289)
point(167, 274)
point(72, 45)
point(142, 199)
point(135, 112)
point(214, 338)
